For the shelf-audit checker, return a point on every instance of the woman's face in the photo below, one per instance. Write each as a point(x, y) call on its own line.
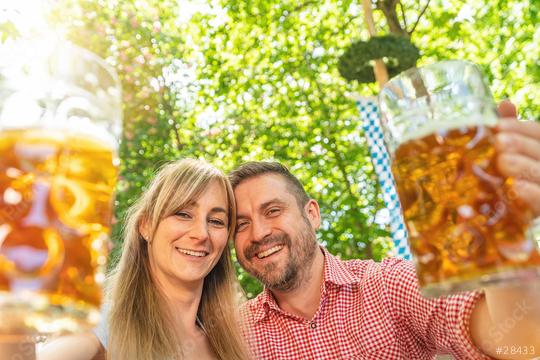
point(188, 244)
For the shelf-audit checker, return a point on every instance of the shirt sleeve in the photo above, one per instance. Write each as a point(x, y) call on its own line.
point(101, 331)
point(441, 324)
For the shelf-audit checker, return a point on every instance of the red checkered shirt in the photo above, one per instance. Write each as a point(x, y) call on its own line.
point(368, 310)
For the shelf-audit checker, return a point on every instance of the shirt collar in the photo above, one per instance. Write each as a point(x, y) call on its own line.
point(335, 272)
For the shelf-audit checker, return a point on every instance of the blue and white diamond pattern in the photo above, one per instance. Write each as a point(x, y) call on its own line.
point(369, 114)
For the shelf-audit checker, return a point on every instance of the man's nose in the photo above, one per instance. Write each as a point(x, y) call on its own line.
point(261, 229)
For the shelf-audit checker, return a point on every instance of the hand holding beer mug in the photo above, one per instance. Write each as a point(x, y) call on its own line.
point(60, 118)
point(467, 227)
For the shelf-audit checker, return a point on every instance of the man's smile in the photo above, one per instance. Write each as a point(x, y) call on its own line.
point(266, 253)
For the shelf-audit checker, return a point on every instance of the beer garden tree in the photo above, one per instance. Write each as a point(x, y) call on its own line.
point(252, 80)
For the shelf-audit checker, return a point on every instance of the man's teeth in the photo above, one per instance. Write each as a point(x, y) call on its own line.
point(192, 252)
point(269, 251)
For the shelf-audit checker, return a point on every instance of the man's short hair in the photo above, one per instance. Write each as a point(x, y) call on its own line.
point(256, 168)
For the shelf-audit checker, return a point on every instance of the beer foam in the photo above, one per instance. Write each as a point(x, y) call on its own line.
point(431, 126)
point(85, 127)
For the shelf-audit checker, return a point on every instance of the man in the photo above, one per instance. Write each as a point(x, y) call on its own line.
point(315, 306)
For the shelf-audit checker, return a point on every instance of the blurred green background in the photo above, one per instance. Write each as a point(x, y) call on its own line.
point(231, 81)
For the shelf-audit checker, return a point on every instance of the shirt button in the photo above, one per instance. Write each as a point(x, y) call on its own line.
point(312, 325)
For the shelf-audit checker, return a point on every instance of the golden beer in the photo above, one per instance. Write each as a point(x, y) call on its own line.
point(463, 218)
point(56, 197)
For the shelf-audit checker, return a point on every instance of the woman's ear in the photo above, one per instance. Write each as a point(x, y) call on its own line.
point(144, 230)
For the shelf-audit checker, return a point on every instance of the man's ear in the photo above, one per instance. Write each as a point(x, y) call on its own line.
point(313, 213)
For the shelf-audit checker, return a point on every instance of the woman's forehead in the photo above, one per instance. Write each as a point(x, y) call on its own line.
point(214, 193)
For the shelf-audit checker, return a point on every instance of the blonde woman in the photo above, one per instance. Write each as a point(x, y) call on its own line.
point(172, 295)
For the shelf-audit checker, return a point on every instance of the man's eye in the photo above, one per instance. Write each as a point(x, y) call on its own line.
point(241, 226)
point(273, 211)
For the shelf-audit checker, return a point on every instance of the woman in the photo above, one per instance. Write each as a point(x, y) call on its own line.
point(172, 295)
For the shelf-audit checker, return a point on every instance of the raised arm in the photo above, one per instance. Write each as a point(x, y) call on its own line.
point(73, 347)
point(506, 324)
point(17, 350)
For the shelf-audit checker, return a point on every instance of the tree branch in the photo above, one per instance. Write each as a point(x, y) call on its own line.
point(380, 71)
point(180, 146)
point(419, 17)
point(405, 26)
point(303, 5)
point(344, 26)
point(169, 110)
point(388, 7)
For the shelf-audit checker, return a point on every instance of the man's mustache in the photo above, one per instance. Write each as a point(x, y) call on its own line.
point(277, 239)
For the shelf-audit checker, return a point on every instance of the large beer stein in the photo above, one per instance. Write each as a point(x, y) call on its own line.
point(60, 119)
point(467, 228)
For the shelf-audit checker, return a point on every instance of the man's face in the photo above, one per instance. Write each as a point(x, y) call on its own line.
point(275, 240)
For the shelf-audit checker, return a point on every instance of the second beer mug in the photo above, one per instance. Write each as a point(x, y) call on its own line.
point(467, 228)
point(60, 118)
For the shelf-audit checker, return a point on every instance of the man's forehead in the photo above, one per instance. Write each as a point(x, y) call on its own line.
point(262, 180)
point(262, 189)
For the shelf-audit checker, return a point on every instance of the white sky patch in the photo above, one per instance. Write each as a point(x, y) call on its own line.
point(182, 78)
point(317, 149)
point(244, 98)
point(277, 64)
point(318, 52)
point(27, 15)
point(446, 4)
point(209, 117)
point(303, 84)
point(326, 78)
point(188, 8)
point(291, 81)
point(354, 9)
point(382, 217)
point(154, 83)
point(465, 13)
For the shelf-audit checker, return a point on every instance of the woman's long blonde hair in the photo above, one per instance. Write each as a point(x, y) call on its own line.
point(139, 323)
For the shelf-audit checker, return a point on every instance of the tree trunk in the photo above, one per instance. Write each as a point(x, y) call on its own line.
point(388, 7)
point(381, 74)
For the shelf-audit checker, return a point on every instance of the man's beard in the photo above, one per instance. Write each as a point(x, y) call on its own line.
point(296, 270)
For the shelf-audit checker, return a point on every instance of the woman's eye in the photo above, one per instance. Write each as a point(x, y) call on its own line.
point(217, 222)
point(183, 215)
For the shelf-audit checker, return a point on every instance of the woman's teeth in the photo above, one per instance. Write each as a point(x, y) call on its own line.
point(192, 252)
point(270, 251)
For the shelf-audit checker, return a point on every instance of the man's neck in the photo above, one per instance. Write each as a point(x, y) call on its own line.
point(304, 299)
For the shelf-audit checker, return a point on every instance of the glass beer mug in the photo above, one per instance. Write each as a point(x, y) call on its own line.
point(60, 119)
point(467, 228)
